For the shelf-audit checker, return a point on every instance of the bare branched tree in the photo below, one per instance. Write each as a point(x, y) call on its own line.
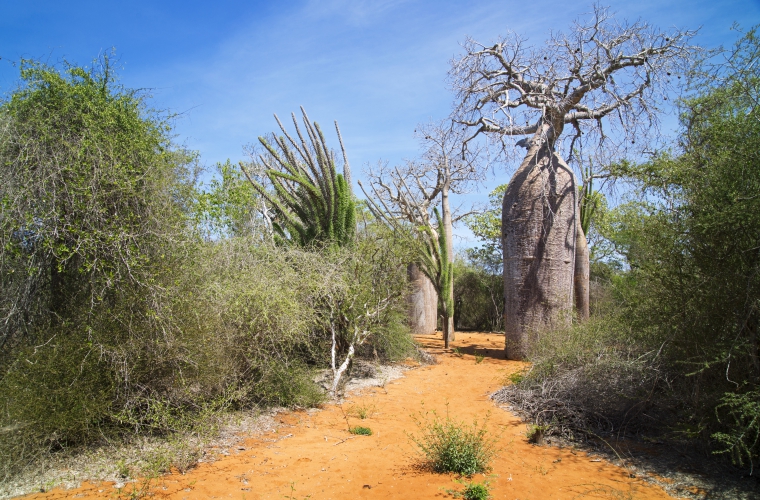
point(410, 192)
point(603, 80)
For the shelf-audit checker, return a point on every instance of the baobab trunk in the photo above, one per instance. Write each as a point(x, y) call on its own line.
point(423, 302)
point(538, 236)
point(581, 273)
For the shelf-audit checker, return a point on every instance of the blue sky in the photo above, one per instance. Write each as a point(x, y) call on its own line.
point(378, 67)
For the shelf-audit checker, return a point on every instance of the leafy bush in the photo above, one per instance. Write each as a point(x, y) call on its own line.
point(93, 200)
point(478, 297)
point(451, 446)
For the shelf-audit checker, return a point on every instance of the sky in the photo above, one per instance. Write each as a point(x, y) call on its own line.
point(377, 67)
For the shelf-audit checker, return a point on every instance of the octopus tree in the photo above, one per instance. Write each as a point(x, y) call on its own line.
point(601, 83)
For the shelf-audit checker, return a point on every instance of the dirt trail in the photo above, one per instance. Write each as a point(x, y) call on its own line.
point(312, 454)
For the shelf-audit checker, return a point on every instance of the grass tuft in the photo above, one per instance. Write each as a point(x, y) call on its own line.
point(360, 431)
point(476, 491)
point(472, 490)
point(451, 446)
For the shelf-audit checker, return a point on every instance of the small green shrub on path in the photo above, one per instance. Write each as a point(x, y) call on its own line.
point(451, 446)
point(472, 491)
point(361, 431)
point(476, 491)
point(535, 433)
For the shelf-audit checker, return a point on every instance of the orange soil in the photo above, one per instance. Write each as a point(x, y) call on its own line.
point(314, 456)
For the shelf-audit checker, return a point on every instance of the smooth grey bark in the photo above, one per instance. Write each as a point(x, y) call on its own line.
point(581, 273)
point(448, 321)
point(423, 302)
point(539, 240)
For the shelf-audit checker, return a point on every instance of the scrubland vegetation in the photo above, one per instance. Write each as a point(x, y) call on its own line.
point(135, 300)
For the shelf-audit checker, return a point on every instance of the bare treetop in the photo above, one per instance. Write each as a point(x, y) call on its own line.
point(410, 191)
point(602, 72)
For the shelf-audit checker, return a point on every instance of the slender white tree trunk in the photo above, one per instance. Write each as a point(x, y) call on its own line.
point(538, 236)
point(338, 373)
point(448, 327)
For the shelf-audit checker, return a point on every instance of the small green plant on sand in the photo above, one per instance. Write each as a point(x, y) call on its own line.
point(360, 431)
point(476, 491)
point(535, 433)
point(292, 495)
point(357, 430)
point(472, 490)
point(479, 358)
point(451, 446)
point(515, 377)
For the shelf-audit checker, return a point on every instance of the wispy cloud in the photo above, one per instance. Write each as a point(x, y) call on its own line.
point(377, 66)
point(353, 12)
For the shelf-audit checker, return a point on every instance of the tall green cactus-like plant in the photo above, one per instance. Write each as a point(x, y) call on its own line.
point(436, 264)
point(589, 200)
point(314, 204)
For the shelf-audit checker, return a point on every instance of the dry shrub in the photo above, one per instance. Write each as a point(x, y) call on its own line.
point(588, 379)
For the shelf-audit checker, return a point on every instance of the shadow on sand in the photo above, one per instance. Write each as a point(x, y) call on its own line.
point(488, 345)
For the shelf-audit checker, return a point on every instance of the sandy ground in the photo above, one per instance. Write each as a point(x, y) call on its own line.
point(312, 454)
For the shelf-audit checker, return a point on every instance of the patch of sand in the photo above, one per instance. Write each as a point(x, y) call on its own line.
point(313, 455)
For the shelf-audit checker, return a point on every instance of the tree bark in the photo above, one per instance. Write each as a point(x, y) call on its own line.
point(448, 327)
point(448, 330)
point(538, 236)
point(423, 303)
point(581, 273)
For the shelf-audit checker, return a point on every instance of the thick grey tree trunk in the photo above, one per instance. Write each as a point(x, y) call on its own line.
point(423, 303)
point(581, 273)
point(538, 236)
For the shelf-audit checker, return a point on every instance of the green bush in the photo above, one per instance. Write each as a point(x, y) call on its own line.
point(451, 446)
point(476, 491)
point(93, 204)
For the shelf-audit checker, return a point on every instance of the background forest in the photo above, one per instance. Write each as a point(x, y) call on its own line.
point(135, 300)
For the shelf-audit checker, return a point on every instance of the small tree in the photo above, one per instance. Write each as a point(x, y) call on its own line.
point(313, 203)
point(409, 192)
point(603, 72)
point(91, 193)
point(223, 207)
point(94, 205)
point(436, 263)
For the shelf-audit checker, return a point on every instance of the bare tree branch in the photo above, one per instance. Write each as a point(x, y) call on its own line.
point(600, 70)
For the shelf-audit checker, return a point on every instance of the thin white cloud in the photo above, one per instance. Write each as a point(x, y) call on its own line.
point(353, 12)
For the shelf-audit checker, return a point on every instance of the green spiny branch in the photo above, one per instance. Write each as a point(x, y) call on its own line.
point(313, 202)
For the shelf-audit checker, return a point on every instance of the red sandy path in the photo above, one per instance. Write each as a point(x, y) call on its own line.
point(317, 455)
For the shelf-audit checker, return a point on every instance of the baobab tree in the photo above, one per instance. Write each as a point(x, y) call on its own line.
point(601, 81)
point(410, 193)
